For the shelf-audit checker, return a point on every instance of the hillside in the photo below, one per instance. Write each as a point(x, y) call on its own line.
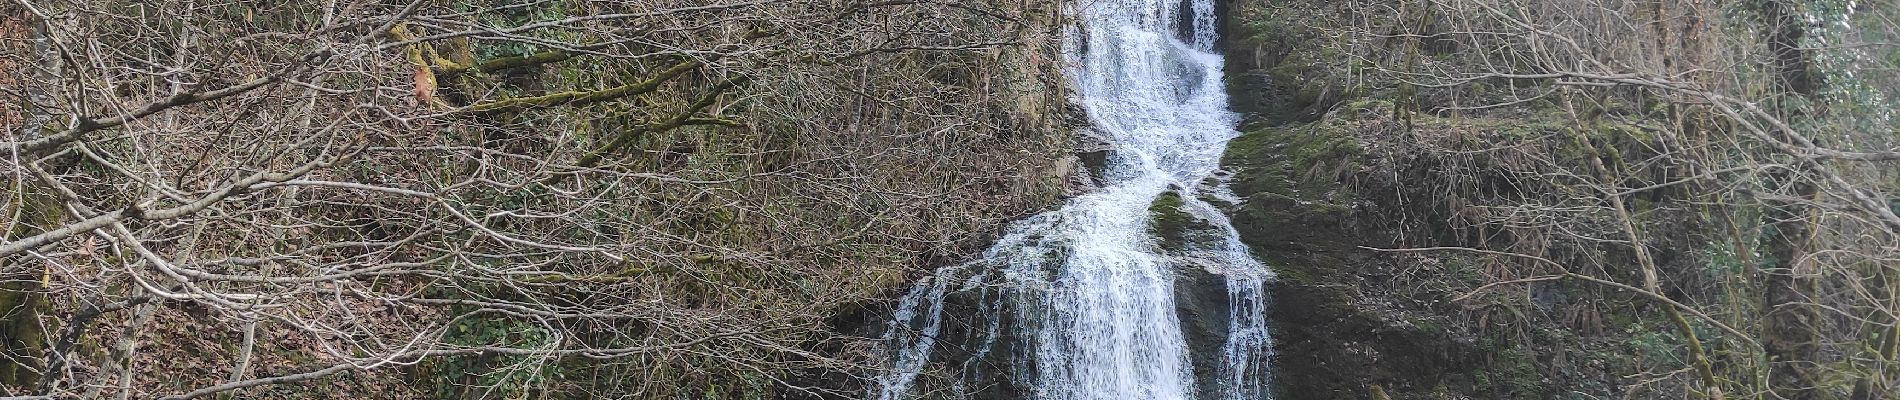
point(1516, 199)
point(489, 199)
point(950, 199)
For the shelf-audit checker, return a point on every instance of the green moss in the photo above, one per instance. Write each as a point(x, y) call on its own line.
point(1306, 161)
point(21, 332)
point(1166, 219)
point(1292, 274)
point(21, 300)
point(1430, 326)
point(1528, 128)
point(1620, 131)
point(1511, 371)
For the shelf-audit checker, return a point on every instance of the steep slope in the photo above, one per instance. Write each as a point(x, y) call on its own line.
point(1460, 204)
point(500, 199)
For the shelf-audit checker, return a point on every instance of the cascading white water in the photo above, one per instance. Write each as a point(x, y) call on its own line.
point(1090, 291)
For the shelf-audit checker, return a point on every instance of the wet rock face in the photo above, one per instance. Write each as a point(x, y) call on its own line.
point(1092, 150)
point(980, 343)
point(1330, 342)
point(1200, 294)
point(1200, 301)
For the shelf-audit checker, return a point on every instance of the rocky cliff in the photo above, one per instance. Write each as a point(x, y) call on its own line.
point(1339, 168)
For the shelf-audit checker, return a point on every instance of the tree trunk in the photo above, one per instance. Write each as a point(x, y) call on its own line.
point(21, 292)
point(1789, 329)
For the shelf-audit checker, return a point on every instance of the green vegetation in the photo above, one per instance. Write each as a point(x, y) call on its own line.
point(1300, 159)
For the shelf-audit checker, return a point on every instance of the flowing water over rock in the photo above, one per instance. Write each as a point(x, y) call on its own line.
point(1101, 299)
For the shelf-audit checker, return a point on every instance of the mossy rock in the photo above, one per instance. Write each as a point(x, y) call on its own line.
point(1174, 227)
point(1166, 219)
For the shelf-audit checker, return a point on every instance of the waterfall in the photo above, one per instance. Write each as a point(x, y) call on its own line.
point(1081, 302)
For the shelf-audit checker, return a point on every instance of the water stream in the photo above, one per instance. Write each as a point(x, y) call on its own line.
point(1081, 302)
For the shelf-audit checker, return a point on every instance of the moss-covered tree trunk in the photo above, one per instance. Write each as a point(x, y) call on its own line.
point(1886, 341)
point(1789, 329)
point(20, 333)
point(22, 291)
